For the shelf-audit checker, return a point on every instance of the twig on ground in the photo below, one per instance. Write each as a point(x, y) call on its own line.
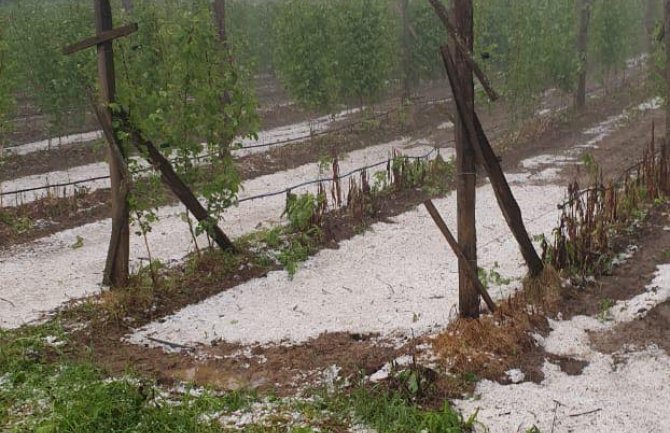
point(553, 423)
point(172, 345)
point(574, 415)
point(8, 301)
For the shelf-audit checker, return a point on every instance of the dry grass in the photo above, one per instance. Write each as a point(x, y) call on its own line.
point(491, 345)
point(545, 291)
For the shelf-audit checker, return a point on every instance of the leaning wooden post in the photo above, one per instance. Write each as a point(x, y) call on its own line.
point(482, 146)
point(461, 42)
point(170, 178)
point(470, 271)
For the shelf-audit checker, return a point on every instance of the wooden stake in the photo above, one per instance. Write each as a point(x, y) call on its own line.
point(470, 271)
point(464, 47)
point(118, 254)
point(582, 50)
point(406, 50)
point(177, 185)
point(219, 8)
point(506, 201)
point(466, 165)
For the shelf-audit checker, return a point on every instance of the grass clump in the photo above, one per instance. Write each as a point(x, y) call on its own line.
point(545, 290)
point(491, 345)
point(389, 413)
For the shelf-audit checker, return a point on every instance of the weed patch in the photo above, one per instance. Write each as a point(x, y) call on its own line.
point(388, 413)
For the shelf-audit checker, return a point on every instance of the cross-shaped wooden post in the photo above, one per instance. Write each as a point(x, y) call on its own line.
point(116, 268)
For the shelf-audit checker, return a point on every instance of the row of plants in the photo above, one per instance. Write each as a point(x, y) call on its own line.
point(354, 199)
point(175, 83)
point(325, 53)
point(531, 46)
point(7, 75)
point(594, 219)
point(332, 52)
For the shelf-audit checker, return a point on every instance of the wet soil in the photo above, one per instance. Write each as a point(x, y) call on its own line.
point(652, 330)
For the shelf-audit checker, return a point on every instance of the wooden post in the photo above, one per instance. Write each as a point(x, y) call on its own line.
point(650, 12)
point(582, 50)
point(463, 46)
point(177, 185)
point(219, 7)
point(219, 10)
point(471, 272)
point(484, 151)
point(466, 163)
point(118, 254)
point(406, 50)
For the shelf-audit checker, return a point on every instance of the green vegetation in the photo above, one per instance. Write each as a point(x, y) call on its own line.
point(181, 102)
point(326, 53)
point(491, 277)
point(529, 45)
point(616, 35)
point(17, 224)
point(605, 310)
point(330, 52)
point(174, 80)
point(43, 391)
point(388, 413)
point(59, 84)
point(249, 26)
point(7, 78)
point(426, 63)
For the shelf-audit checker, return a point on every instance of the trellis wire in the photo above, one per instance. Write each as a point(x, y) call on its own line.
point(209, 155)
point(275, 193)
